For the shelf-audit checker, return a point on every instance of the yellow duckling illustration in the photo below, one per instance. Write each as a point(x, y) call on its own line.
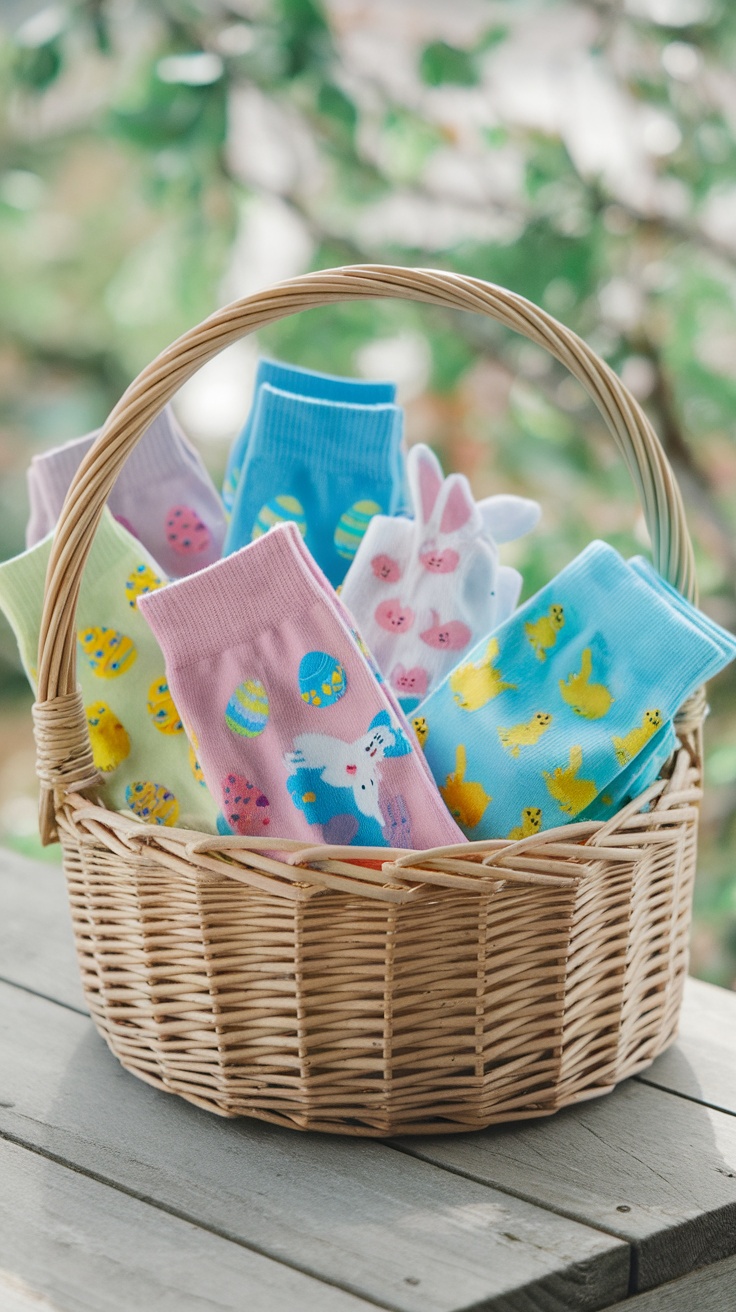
point(161, 708)
point(572, 795)
point(542, 633)
point(109, 653)
point(108, 737)
point(473, 686)
point(421, 729)
point(591, 700)
point(525, 735)
point(466, 801)
point(531, 823)
point(626, 748)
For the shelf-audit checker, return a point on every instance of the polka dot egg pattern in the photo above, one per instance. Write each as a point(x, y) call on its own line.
point(152, 803)
point(161, 708)
point(279, 510)
point(352, 525)
point(247, 710)
point(322, 679)
point(245, 807)
point(142, 580)
point(109, 653)
point(186, 533)
point(108, 737)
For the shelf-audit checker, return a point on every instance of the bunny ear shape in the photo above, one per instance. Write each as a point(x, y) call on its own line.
point(424, 472)
point(459, 507)
point(508, 517)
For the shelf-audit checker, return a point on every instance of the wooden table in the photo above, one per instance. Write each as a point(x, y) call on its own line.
point(116, 1196)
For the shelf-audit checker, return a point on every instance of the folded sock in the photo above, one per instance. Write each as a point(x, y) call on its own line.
point(300, 382)
point(326, 466)
point(635, 777)
point(138, 742)
point(295, 735)
point(163, 496)
point(425, 589)
point(546, 713)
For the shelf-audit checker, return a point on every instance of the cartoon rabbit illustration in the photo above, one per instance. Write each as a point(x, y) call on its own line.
point(425, 589)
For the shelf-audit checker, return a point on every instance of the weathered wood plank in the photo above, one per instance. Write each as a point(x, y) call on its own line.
point(68, 1242)
point(658, 1170)
point(357, 1213)
point(713, 1289)
point(36, 941)
point(702, 1064)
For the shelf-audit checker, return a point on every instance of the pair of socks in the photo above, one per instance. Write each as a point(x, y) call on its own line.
point(296, 736)
point(138, 740)
point(423, 590)
point(326, 458)
point(163, 495)
point(565, 708)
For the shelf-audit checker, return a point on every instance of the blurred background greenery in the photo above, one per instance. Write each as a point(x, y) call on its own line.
point(159, 157)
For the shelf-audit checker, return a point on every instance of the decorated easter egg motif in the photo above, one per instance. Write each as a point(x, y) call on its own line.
point(109, 653)
point(244, 806)
point(279, 510)
point(108, 737)
point(152, 803)
point(186, 533)
point(322, 679)
point(142, 580)
point(352, 525)
point(247, 710)
point(161, 708)
point(195, 767)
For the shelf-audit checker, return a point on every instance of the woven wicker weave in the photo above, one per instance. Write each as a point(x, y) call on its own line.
point(433, 991)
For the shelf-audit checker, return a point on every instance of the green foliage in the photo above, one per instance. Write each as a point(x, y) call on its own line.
point(440, 62)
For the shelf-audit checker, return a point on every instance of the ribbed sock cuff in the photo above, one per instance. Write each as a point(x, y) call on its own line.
point(336, 438)
point(329, 387)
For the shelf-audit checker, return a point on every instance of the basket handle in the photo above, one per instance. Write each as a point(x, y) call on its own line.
point(64, 754)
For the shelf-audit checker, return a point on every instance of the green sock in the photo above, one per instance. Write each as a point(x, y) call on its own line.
point(138, 740)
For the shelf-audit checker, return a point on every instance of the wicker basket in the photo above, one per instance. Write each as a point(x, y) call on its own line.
point(440, 991)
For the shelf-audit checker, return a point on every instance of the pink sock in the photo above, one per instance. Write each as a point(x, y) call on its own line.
point(163, 495)
point(294, 734)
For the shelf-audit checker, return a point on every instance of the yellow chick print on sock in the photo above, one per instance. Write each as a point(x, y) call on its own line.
point(591, 700)
point(473, 686)
point(466, 801)
point(571, 794)
point(542, 633)
point(630, 745)
point(531, 823)
point(108, 738)
point(421, 729)
point(525, 735)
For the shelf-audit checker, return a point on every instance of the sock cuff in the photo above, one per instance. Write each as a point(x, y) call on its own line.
point(648, 574)
point(217, 608)
point(330, 387)
point(336, 438)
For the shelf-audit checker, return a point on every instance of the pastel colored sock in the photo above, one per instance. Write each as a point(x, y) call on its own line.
point(295, 736)
point(650, 575)
point(544, 715)
point(326, 466)
point(163, 495)
point(300, 382)
point(138, 742)
point(425, 589)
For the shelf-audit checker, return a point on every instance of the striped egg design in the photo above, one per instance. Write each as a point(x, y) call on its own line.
point(322, 679)
point(142, 580)
point(247, 710)
point(152, 803)
point(161, 708)
point(108, 738)
point(352, 525)
point(279, 510)
point(108, 652)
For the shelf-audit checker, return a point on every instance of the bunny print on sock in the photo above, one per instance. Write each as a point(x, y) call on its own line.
point(425, 590)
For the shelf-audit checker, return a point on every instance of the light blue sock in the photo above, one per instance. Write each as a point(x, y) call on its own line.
point(328, 465)
point(547, 712)
point(649, 574)
point(636, 777)
point(301, 382)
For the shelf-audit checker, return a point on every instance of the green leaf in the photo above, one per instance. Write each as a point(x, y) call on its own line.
point(333, 103)
point(38, 66)
point(440, 62)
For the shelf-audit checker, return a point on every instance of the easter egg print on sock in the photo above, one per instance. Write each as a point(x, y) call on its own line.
point(141, 581)
point(195, 767)
point(525, 735)
point(531, 823)
point(161, 708)
point(571, 794)
point(152, 802)
point(322, 679)
point(186, 533)
point(245, 807)
point(542, 633)
point(279, 510)
point(109, 739)
point(109, 653)
point(247, 710)
point(393, 617)
point(352, 525)
point(465, 800)
point(474, 685)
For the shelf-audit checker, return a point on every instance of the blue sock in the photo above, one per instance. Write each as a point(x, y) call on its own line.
point(301, 382)
point(328, 465)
